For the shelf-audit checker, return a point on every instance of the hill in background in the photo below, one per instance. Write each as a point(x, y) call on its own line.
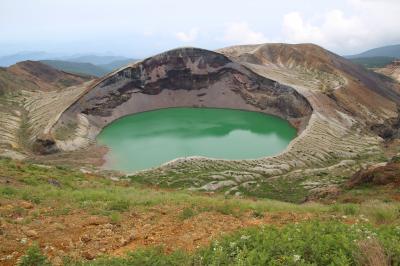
point(377, 57)
point(386, 51)
point(36, 76)
point(89, 69)
point(90, 65)
point(78, 68)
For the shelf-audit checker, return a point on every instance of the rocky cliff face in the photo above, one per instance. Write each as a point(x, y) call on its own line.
point(185, 77)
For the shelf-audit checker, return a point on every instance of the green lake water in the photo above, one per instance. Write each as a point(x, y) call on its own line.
point(150, 139)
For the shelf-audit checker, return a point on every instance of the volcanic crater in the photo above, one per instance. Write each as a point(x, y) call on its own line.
point(333, 104)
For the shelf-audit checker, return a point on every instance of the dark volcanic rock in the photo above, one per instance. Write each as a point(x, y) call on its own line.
point(44, 146)
point(390, 129)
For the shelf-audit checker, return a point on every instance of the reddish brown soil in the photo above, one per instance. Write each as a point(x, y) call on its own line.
point(81, 235)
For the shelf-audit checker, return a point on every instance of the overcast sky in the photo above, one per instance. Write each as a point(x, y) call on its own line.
point(140, 28)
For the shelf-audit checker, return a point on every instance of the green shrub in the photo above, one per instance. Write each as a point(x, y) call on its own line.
point(380, 212)
point(309, 243)
point(141, 257)
point(34, 257)
point(350, 209)
point(389, 237)
point(28, 196)
point(115, 217)
point(32, 181)
point(258, 214)
point(8, 191)
point(118, 205)
point(187, 213)
point(334, 208)
point(384, 215)
point(395, 159)
point(226, 209)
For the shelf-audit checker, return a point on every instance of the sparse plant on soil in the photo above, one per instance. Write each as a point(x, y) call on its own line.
point(187, 213)
point(315, 241)
point(307, 243)
point(34, 257)
point(119, 205)
point(115, 218)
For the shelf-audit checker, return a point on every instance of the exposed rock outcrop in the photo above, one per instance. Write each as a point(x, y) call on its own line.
point(389, 129)
point(379, 174)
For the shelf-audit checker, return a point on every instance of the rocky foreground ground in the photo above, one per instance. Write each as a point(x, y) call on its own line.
point(77, 217)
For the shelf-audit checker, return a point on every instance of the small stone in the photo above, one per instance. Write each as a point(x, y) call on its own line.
point(26, 205)
point(108, 226)
point(123, 241)
point(104, 233)
point(89, 254)
point(94, 220)
point(114, 178)
point(132, 236)
point(146, 227)
point(57, 261)
point(85, 171)
point(24, 240)
point(59, 226)
point(85, 238)
point(31, 233)
point(54, 182)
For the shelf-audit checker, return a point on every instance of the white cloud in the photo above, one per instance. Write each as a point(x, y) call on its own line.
point(371, 24)
point(335, 31)
point(297, 30)
point(241, 33)
point(189, 36)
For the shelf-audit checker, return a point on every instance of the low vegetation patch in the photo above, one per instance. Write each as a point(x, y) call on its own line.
point(297, 234)
point(307, 243)
point(34, 257)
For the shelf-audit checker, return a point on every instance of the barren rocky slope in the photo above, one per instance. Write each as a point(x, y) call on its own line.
point(32, 94)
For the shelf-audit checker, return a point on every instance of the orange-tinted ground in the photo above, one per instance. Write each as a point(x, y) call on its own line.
point(81, 235)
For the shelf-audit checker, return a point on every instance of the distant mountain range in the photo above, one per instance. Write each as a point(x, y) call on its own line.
point(77, 68)
point(377, 57)
point(384, 51)
point(85, 68)
point(12, 59)
point(99, 65)
point(91, 65)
